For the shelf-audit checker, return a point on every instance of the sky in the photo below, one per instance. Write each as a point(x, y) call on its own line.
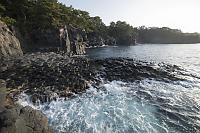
point(177, 14)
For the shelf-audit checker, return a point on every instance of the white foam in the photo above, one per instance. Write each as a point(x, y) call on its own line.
point(117, 107)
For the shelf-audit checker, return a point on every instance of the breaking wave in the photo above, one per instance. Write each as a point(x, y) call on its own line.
point(146, 106)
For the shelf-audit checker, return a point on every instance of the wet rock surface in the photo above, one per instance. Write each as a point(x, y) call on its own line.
point(130, 70)
point(18, 119)
point(46, 76)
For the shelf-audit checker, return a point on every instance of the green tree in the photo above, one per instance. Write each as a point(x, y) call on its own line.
point(165, 35)
point(121, 31)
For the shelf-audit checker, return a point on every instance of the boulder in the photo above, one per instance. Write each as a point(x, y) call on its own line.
point(9, 44)
point(18, 119)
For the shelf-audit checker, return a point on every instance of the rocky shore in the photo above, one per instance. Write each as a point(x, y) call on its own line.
point(48, 69)
point(46, 76)
point(18, 119)
point(130, 70)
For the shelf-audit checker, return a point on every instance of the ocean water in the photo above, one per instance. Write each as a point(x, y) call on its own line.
point(145, 106)
point(186, 55)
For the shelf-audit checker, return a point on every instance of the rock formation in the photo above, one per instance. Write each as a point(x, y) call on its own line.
point(94, 40)
point(18, 119)
point(9, 44)
point(47, 75)
point(63, 38)
point(2, 94)
point(77, 39)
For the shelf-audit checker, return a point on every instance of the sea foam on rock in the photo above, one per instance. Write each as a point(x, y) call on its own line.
point(46, 76)
point(19, 119)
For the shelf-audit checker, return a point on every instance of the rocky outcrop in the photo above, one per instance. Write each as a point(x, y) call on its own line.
point(47, 40)
point(130, 70)
point(77, 39)
point(110, 41)
point(51, 39)
point(62, 39)
point(18, 119)
point(9, 44)
point(45, 76)
point(94, 40)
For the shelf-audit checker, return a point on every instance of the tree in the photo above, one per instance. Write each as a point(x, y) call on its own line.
point(165, 35)
point(121, 31)
point(9, 21)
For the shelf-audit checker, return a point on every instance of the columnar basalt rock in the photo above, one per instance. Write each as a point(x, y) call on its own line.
point(65, 39)
point(77, 39)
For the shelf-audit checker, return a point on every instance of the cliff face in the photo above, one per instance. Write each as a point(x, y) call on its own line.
point(65, 39)
point(53, 39)
point(9, 44)
point(77, 39)
point(126, 40)
point(98, 41)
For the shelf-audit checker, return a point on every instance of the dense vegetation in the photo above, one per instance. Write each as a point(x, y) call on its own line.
point(165, 35)
point(32, 15)
point(121, 31)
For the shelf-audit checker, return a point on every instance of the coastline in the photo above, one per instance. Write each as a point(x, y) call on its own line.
point(45, 75)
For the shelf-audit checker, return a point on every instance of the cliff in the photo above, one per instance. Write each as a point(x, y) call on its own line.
point(9, 44)
point(95, 40)
point(62, 39)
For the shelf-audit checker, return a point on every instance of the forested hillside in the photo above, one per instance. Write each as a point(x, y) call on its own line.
point(33, 15)
point(165, 35)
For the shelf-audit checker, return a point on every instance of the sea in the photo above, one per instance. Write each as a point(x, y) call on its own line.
point(145, 106)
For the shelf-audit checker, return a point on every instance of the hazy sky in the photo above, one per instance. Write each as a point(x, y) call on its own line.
point(181, 14)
